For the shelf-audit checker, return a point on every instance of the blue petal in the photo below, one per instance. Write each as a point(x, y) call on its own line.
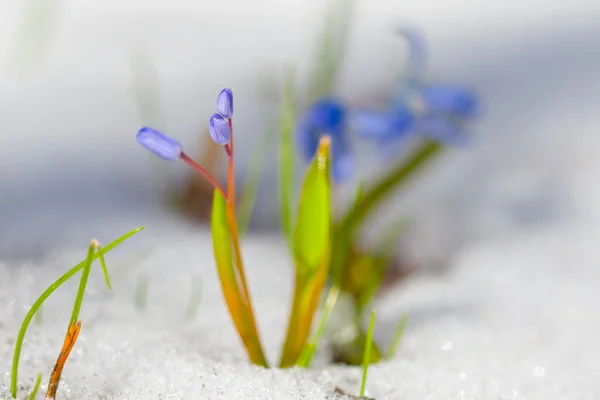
point(325, 117)
point(219, 129)
point(382, 126)
point(159, 143)
point(451, 98)
point(343, 167)
point(225, 103)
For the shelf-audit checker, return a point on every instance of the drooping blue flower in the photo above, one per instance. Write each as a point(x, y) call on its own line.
point(327, 117)
point(219, 128)
point(159, 143)
point(225, 103)
point(450, 98)
point(380, 125)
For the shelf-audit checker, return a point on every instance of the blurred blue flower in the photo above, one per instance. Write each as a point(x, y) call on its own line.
point(382, 126)
point(159, 143)
point(219, 128)
point(449, 98)
point(225, 103)
point(327, 117)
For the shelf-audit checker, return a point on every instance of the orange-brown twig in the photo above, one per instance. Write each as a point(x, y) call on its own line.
point(68, 344)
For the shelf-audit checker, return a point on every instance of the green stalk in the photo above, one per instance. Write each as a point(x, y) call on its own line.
point(36, 387)
point(367, 356)
point(310, 348)
point(373, 196)
point(83, 283)
point(397, 336)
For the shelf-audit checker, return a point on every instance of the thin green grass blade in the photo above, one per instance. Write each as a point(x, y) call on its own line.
point(286, 158)
point(36, 387)
point(367, 356)
point(85, 274)
point(104, 269)
point(311, 347)
point(395, 179)
point(331, 49)
point(398, 333)
point(343, 239)
point(38, 303)
point(248, 198)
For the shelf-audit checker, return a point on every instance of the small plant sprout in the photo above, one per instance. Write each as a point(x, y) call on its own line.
point(94, 252)
point(367, 356)
point(310, 348)
point(310, 238)
point(225, 232)
point(36, 387)
point(399, 332)
point(74, 325)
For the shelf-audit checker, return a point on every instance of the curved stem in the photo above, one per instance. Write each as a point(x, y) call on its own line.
point(205, 173)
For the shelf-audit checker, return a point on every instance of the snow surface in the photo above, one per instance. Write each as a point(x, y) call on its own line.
point(514, 319)
point(514, 219)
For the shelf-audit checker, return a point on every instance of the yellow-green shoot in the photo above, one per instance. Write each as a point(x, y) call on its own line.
point(311, 245)
point(367, 355)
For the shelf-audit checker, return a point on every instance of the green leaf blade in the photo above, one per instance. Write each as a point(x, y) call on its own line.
point(313, 227)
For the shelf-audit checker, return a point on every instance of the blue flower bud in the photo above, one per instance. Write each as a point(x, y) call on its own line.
point(219, 129)
point(159, 143)
point(225, 103)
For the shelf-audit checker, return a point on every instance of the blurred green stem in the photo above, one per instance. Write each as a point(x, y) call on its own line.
point(372, 197)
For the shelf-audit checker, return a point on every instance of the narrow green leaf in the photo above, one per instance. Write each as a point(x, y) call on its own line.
point(38, 303)
point(250, 190)
point(331, 48)
point(343, 239)
point(310, 348)
point(286, 158)
point(398, 333)
point(36, 387)
point(367, 356)
point(104, 269)
point(238, 305)
point(83, 282)
point(313, 221)
point(395, 179)
point(311, 252)
point(221, 239)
